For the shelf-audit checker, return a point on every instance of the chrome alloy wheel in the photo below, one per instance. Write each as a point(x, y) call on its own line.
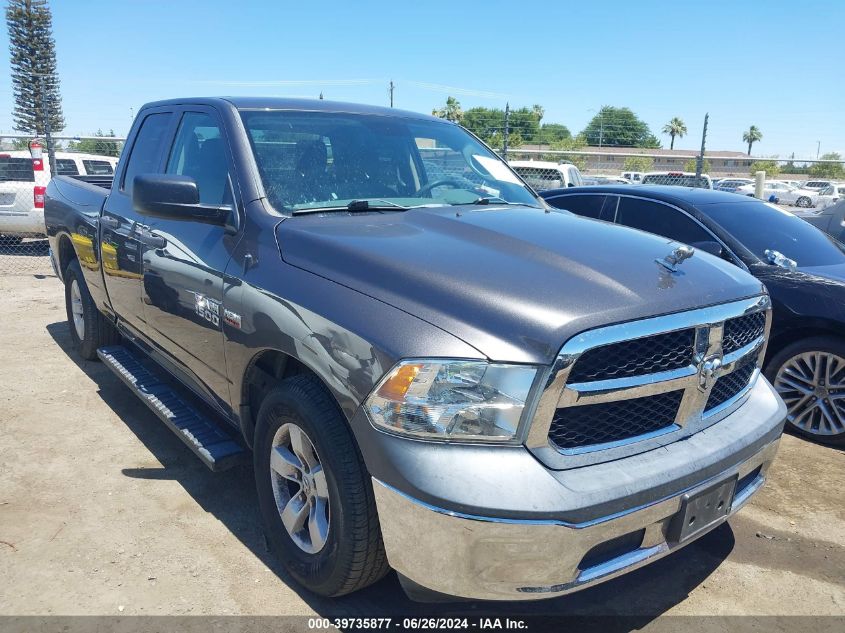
point(76, 310)
point(300, 488)
point(812, 385)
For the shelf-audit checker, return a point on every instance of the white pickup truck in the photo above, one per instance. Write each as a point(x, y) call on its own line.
point(23, 180)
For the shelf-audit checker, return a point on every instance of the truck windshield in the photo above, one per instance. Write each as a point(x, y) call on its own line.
point(333, 160)
point(760, 226)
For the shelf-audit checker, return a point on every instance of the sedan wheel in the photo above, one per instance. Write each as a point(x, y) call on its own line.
point(804, 202)
point(300, 488)
point(812, 384)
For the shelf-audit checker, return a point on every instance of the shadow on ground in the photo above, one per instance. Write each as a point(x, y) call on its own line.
point(230, 497)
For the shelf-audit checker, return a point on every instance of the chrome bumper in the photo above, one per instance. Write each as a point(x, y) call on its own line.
point(488, 558)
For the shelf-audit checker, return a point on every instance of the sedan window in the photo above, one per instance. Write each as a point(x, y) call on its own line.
point(661, 219)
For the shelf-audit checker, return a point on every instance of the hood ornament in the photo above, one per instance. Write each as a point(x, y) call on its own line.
point(671, 261)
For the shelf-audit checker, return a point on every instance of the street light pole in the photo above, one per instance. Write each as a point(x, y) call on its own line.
point(818, 148)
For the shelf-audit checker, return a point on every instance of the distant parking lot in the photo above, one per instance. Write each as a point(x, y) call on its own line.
point(104, 511)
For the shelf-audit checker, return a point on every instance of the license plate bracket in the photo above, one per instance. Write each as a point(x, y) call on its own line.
point(701, 509)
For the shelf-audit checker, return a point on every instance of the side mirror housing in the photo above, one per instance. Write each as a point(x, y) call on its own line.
point(172, 197)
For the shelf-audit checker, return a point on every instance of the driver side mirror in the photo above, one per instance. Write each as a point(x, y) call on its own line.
point(172, 197)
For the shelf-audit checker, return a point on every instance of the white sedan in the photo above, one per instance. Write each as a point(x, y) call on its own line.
point(784, 193)
point(830, 196)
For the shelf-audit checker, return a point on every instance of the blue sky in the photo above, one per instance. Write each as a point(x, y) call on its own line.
point(777, 65)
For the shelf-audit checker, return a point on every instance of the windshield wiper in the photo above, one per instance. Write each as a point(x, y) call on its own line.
point(354, 206)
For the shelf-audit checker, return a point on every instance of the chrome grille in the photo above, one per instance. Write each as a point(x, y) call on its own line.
point(592, 424)
point(626, 388)
point(646, 355)
point(729, 386)
point(743, 330)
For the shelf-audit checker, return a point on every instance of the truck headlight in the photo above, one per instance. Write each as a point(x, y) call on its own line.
point(452, 400)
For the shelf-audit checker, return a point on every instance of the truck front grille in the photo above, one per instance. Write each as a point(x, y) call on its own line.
point(741, 331)
point(646, 355)
point(592, 424)
point(729, 386)
point(649, 382)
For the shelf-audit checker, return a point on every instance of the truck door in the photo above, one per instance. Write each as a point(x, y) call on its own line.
point(122, 229)
point(183, 264)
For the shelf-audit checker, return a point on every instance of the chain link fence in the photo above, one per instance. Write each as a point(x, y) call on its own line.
point(26, 167)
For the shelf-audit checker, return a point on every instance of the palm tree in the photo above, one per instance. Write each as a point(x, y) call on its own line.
point(451, 112)
point(752, 136)
point(675, 127)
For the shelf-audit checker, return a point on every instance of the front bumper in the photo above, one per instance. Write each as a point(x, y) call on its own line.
point(476, 556)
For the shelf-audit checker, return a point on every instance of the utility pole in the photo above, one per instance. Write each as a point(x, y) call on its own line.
point(51, 157)
point(507, 131)
point(601, 126)
point(699, 164)
point(818, 148)
point(392, 86)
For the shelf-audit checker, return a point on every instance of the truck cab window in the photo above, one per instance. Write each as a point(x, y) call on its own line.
point(146, 151)
point(198, 152)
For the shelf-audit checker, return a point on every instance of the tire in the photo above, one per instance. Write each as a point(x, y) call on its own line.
point(804, 202)
point(92, 329)
point(811, 412)
point(352, 554)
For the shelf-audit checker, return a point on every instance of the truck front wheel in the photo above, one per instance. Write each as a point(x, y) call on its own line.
point(89, 328)
point(314, 493)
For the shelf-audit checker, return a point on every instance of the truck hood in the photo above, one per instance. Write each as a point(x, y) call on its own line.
point(513, 282)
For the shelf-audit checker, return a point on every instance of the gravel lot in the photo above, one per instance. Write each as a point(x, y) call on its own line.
point(104, 512)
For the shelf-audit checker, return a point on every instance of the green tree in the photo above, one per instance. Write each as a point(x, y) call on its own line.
point(751, 136)
point(552, 133)
point(619, 127)
point(828, 170)
point(675, 127)
point(451, 111)
point(691, 164)
point(93, 146)
point(489, 125)
point(33, 60)
point(638, 163)
point(771, 168)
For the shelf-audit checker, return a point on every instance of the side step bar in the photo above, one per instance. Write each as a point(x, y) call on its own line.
point(212, 444)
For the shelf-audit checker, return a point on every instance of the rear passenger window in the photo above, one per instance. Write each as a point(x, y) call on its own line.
point(146, 151)
point(66, 167)
point(661, 219)
point(588, 206)
point(98, 167)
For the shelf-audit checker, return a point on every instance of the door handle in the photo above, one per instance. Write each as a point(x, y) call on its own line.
point(109, 222)
point(148, 238)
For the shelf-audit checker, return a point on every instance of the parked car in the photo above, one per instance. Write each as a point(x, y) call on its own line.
point(429, 379)
point(605, 179)
point(23, 180)
point(803, 269)
point(547, 175)
point(731, 184)
point(817, 185)
point(830, 195)
point(780, 192)
point(678, 179)
point(830, 219)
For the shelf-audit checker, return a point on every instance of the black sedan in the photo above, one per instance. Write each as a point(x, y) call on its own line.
point(803, 268)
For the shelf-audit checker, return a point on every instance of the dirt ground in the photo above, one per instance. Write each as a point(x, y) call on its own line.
point(103, 512)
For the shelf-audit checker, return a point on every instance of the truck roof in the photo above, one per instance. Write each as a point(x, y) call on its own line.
point(281, 103)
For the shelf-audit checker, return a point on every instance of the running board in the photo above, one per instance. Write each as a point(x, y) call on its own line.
point(212, 444)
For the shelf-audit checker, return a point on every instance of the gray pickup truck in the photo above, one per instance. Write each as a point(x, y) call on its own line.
point(429, 368)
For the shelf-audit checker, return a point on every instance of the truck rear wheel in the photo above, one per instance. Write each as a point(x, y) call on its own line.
point(89, 328)
point(314, 493)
